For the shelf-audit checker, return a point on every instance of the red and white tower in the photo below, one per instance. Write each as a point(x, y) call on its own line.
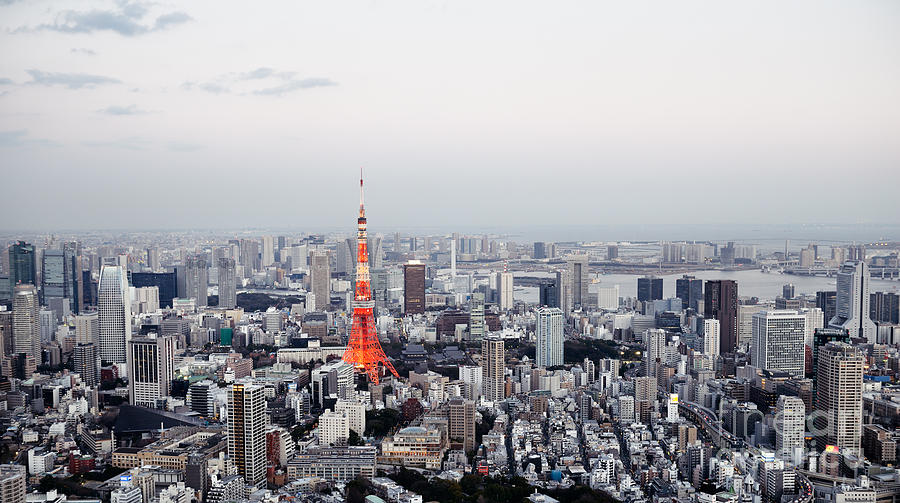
point(364, 351)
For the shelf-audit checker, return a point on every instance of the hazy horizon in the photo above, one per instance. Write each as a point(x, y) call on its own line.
point(465, 115)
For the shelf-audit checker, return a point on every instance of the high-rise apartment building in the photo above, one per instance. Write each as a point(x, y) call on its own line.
point(790, 425)
point(655, 352)
point(579, 279)
point(711, 335)
point(247, 431)
point(26, 329)
point(196, 279)
point(476, 316)
point(839, 384)
point(493, 363)
point(201, 398)
point(852, 303)
point(779, 341)
point(268, 251)
point(650, 288)
point(114, 313)
point(505, 290)
point(461, 423)
point(151, 368)
point(414, 287)
point(549, 337)
point(720, 301)
point(320, 279)
point(227, 283)
point(690, 290)
point(87, 363)
point(13, 483)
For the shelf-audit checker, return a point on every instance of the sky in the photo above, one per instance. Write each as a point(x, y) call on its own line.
point(464, 114)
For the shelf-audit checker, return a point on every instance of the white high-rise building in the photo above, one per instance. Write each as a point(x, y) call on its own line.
point(471, 375)
point(790, 426)
point(608, 297)
point(711, 337)
point(778, 341)
point(549, 337)
point(247, 431)
point(334, 428)
point(656, 352)
point(151, 368)
point(114, 313)
point(26, 322)
point(852, 303)
point(268, 251)
point(815, 319)
point(505, 289)
point(355, 412)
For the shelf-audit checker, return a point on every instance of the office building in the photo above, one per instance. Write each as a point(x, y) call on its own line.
point(564, 291)
point(548, 294)
point(334, 428)
point(539, 251)
point(320, 279)
point(608, 297)
point(779, 341)
point(414, 447)
point(690, 290)
point(196, 279)
point(884, 307)
point(414, 287)
point(839, 384)
point(579, 280)
point(268, 251)
point(612, 252)
point(334, 464)
point(827, 302)
point(355, 412)
point(153, 259)
point(852, 303)
point(151, 368)
point(114, 313)
point(247, 431)
point(26, 326)
point(650, 288)
point(201, 398)
point(821, 337)
point(711, 335)
point(227, 283)
point(59, 272)
point(505, 290)
point(461, 424)
point(166, 283)
point(476, 316)
point(720, 301)
point(22, 265)
point(87, 363)
point(790, 426)
point(549, 337)
point(493, 363)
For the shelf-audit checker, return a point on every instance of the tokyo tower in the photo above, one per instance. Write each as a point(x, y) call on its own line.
point(364, 351)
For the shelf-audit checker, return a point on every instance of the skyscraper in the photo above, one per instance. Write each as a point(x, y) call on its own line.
point(59, 270)
point(196, 279)
point(711, 335)
point(227, 283)
point(778, 341)
point(493, 363)
point(826, 301)
point(114, 313)
point(166, 282)
point(650, 288)
point(268, 251)
point(655, 350)
point(549, 337)
point(690, 290)
point(320, 279)
point(476, 316)
point(852, 304)
point(26, 322)
point(578, 275)
point(564, 291)
point(22, 265)
point(151, 368)
point(790, 426)
point(839, 385)
point(153, 259)
point(414, 287)
point(884, 307)
point(87, 363)
point(461, 423)
point(721, 302)
point(505, 290)
point(247, 431)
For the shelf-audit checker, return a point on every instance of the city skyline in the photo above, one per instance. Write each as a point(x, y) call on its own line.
point(743, 104)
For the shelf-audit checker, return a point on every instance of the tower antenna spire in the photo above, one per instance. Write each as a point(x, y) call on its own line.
point(360, 189)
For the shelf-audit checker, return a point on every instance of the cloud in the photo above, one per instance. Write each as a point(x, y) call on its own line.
point(20, 138)
point(294, 85)
point(81, 50)
point(126, 20)
point(70, 80)
point(130, 143)
point(273, 82)
point(120, 110)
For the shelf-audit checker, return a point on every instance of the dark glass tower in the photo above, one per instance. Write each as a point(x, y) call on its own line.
point(720, 301)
